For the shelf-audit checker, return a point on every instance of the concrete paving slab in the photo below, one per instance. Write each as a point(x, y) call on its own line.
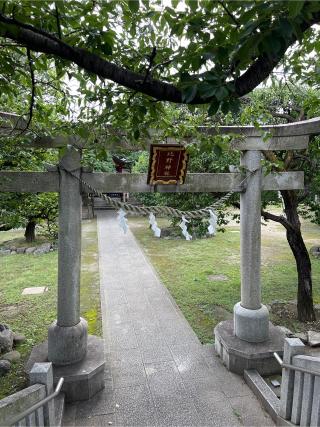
point(135, 407)
point(248, 410)
point(157, 373)
point(35, 290)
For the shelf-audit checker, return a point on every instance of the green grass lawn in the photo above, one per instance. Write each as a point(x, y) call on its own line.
point(31, 315)
point(185, 268)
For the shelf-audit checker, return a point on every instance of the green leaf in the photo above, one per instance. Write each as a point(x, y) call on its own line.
point(217, 150)
point(221, 93)
point(133, 5)
point(234, 105)
point(193, 4)
point(206, 90)
point(295, 7)
point(136, 134)
point(189, 94)
point(106, 49)
point(225, 107)
point(214, 107)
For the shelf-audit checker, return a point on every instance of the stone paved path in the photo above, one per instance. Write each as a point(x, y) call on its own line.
point(158, 373)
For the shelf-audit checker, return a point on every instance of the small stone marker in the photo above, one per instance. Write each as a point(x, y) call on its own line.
point(6, 338)
point(18, 338)
point(5, 366)
point(314, 338)
point(11, 356)
point(30, 250)
point(35, 290)
point(217, 278)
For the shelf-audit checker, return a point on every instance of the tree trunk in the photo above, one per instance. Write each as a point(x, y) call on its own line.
point(304, 296)
point(30, 233)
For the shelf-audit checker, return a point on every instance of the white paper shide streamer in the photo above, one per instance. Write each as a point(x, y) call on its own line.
point(212, 228)
point(154, 226)
point(183, 226)
point(123, 222)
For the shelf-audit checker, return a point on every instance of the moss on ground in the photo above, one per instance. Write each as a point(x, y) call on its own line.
point(90, 281)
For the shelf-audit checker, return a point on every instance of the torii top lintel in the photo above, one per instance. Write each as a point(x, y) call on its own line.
point(281, 137)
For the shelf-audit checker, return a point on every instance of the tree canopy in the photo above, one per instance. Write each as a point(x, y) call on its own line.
point(124, 56)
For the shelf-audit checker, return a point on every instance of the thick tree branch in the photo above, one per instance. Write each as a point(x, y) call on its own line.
point(269, 216)
point(277, 218)
point(41, 41)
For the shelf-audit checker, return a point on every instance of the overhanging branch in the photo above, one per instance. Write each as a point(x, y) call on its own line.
point(41, 41)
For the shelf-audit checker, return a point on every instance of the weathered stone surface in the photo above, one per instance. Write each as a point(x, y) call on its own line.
point(42, 249)
point(13, 248)
point(251, 325)
point(5, 366)
point(6, 338)
point(12, 356)
point(18, 338)
point(315, 251)
point(314, 338)
point(239, 355)
point(302, 336)
point(5, 251)
point(13, 252)
point(286, 331)
point(21, 250)
point(18, 402)
point(217, 278)
point(263, 392)
point(35, 290)
point(30, 250)
point(67, 344)
point(292, 347)
point(82, 380)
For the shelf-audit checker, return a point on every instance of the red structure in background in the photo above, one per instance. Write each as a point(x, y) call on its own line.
point(121, 165)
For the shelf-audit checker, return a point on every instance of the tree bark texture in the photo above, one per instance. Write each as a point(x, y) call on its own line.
point(304, 296)
point(30, 232)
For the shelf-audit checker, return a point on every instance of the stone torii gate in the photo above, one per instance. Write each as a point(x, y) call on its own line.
point(247, 342)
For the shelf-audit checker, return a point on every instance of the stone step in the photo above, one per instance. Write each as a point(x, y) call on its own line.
point(266, 396)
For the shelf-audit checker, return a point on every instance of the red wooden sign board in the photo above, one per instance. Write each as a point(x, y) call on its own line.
point(168, 164)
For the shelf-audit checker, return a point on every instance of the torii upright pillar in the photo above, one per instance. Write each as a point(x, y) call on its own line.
point(249, 340)
point(77, 357)
point(251, 318)
point(67, 336)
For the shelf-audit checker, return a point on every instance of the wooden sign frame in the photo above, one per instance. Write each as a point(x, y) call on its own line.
point(167, 164)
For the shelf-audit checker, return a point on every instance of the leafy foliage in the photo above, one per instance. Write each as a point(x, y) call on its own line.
point(206, 51)
point(18, 209)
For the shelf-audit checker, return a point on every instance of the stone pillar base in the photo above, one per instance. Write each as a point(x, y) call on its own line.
point(251, 325)
point(82, 380)
point(67, 344)
point(239, 355)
